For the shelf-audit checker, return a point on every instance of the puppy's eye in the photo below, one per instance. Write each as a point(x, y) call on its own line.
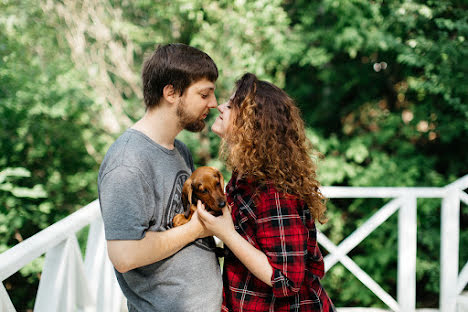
point(205, 191)
point(217, 183)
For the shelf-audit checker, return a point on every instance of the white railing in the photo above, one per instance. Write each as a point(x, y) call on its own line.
point(404, 199)
point(69, 284)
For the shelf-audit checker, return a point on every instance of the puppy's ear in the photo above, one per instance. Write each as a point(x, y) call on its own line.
point(221, 180)
point(187, 195)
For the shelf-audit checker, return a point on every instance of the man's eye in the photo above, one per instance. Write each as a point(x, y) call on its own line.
point(204, 96)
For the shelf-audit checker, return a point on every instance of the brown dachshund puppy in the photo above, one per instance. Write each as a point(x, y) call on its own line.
point(207, 185)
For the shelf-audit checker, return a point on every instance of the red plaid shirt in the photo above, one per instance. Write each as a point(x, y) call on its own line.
point(281, 226)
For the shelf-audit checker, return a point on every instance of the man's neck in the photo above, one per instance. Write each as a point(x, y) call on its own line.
point(159, 124)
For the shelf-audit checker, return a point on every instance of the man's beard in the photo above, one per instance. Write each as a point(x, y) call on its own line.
point(188, 122)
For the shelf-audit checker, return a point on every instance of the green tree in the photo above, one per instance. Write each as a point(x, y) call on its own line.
point(380, 85)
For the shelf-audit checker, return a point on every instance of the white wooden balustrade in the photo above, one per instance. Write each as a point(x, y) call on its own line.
point(67, 283)
point(70, 284)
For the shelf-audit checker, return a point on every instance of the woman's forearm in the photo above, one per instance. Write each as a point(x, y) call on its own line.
point(253, 259)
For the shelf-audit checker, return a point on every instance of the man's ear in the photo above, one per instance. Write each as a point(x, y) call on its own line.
point(170, 94)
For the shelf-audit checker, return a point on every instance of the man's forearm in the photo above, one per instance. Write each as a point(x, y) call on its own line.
point(126, 255)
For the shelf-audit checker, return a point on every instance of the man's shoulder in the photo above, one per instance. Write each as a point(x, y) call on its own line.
point(181, 146)
point(126, 151)
point(184, 151)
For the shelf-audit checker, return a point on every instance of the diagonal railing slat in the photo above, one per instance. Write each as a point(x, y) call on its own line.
point(5, 303)
point(362, 232)
point(360, 274)
point(462, 279)
point(463, 197)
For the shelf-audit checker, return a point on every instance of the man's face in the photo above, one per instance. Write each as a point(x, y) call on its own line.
point(194, 105)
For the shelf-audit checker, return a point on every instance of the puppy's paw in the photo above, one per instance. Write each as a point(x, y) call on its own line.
point(179, 220)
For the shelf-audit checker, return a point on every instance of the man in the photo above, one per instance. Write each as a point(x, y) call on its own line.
point(161, 268)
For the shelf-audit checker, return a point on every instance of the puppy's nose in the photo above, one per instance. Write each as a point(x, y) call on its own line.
point(221, 204)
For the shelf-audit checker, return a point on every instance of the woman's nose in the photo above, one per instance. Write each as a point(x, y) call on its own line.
point(221, 107)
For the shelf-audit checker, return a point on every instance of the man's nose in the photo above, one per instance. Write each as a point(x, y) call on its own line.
point(213, 103)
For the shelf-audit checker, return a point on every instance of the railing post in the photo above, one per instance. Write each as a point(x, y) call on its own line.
point(63, 285)
point(407, 245)
point(100, 272)
point(449, 234)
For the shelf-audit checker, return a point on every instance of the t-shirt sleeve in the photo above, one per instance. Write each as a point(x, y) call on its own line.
point(124, 197)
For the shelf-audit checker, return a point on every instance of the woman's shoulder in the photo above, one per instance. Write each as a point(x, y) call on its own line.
point(270, 189)
point(269, 194)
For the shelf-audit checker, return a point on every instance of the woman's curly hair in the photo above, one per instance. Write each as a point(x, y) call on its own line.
point(266, 141)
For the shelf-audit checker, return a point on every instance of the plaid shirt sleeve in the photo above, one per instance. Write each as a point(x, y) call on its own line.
point(283, 237)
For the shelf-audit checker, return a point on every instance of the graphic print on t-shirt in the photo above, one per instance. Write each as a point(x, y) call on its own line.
point(174, 205)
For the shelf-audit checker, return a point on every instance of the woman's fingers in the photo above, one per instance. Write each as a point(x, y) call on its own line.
point(202, 213)
point(200, 204)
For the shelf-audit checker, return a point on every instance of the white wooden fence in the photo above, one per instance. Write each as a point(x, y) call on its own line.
point(69, 284)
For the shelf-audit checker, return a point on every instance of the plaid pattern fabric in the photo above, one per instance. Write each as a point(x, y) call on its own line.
point(281, 226)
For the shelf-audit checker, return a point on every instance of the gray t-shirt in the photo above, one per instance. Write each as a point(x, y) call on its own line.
point(140, 184)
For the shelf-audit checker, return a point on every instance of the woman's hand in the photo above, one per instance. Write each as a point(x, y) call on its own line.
point(199, 228)
point(221, 226)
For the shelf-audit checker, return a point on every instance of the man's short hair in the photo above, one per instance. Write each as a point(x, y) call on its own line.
point(174, 64)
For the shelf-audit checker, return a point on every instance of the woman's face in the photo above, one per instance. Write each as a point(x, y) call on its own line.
point(223, 121)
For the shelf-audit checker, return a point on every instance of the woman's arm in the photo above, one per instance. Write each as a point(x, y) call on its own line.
point(253, 259)
point(281, 236)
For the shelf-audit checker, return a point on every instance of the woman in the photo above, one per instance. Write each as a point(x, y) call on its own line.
point(272, 262)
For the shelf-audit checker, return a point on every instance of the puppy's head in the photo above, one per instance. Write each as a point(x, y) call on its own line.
point(205, 184)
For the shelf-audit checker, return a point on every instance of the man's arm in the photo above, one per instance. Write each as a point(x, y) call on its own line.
point(127, 255)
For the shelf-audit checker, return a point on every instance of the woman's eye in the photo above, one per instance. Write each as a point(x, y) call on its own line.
point(204, 96)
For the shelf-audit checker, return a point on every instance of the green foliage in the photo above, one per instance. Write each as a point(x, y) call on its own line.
point(47, 172)
point(380, 85)
point(389, 108)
